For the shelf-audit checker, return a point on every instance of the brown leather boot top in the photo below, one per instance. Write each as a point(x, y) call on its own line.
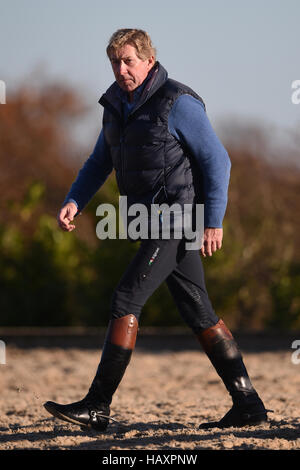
point(123, 331)
point(210, 336)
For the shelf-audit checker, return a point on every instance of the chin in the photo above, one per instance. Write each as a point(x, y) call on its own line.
point(125, 88)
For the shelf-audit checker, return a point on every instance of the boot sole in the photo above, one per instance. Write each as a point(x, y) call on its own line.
point(217, 424)
point(53, 411)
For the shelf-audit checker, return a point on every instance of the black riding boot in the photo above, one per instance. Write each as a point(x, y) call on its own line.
point(94, 409)
point(223, 352)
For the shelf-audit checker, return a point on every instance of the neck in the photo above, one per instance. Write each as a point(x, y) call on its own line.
point(130, 96)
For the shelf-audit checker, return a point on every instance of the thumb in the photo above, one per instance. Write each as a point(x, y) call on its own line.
point(70, 215)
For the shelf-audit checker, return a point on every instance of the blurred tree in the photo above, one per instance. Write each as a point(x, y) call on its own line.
point(33, 145)
point(49, 277)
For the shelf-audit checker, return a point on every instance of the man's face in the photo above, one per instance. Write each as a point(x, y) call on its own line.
point(130, 71)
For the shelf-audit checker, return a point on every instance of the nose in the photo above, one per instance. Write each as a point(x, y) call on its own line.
point(122, 69)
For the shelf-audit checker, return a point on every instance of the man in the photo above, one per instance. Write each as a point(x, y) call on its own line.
point(157, 137)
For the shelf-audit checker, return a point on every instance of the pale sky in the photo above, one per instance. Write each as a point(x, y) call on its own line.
point(240, 56)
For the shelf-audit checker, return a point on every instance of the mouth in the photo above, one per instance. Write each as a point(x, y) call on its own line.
point(126, 80)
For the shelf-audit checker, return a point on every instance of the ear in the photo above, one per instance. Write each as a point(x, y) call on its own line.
point(151, 61)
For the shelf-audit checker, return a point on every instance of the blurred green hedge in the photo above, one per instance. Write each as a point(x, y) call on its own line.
point(53, 278)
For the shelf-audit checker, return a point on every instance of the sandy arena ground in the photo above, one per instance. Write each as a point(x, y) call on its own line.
point(162, 399)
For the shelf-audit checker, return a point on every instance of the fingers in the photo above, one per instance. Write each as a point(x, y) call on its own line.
point(212, 241)
point(66, 216)
point(209, 247)
point(64, 223)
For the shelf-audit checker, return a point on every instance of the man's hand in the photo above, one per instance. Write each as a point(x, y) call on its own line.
point(66, 215)
point(212, 241)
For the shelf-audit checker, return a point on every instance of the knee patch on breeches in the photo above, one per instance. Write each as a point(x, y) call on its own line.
point(122, 304)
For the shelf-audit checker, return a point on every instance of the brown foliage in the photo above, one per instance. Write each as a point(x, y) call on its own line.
point(35, 144)
point(261, 239)
point(264, 201)
point(254, 280)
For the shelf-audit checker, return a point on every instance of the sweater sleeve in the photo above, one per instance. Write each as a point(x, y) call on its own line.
point(92, 175)
point(189, 124)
